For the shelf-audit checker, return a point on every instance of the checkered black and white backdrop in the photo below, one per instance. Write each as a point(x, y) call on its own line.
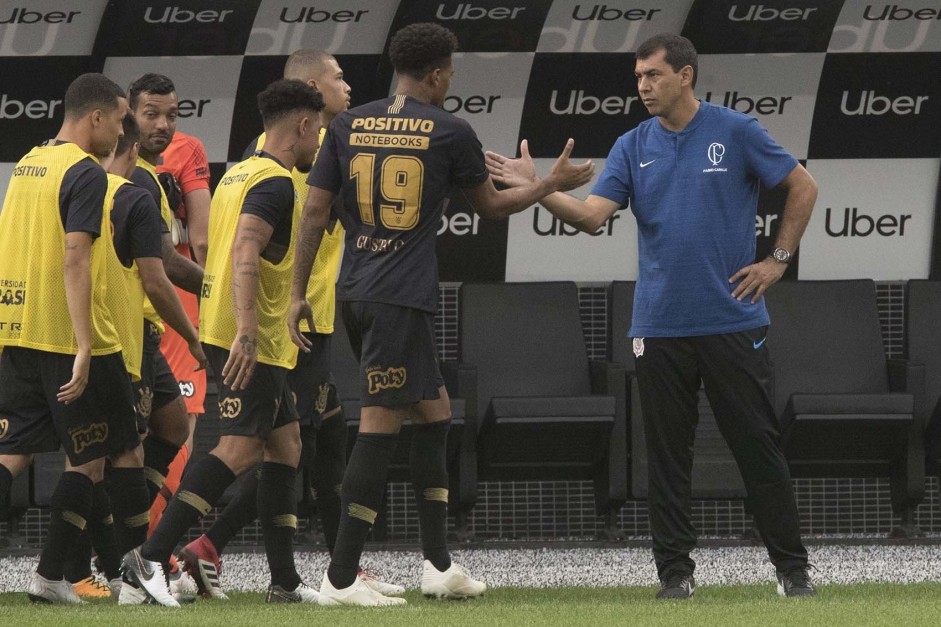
point(850, 87)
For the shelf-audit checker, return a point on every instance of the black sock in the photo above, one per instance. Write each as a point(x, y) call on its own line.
point(200, 489)
point(6, 482)
point(277, 510)
point(327, 475)
point(363, 486)
point(158, 455)
point(428, 462)
point(103, 533)
point(100, 534)
point(131, 507)
point(77, 564)
point(71, 505)
point(240, 511)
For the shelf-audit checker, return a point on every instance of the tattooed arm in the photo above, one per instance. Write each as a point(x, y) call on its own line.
point(251, 237)
point(314, 220)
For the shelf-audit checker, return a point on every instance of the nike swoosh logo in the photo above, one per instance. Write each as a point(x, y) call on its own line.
point(644, 165)
point(757, 345)
point(145, 568)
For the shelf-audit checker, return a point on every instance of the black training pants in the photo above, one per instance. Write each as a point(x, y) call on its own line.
point(736, 372)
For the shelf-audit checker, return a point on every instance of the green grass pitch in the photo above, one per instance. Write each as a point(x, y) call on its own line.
point(863, 604)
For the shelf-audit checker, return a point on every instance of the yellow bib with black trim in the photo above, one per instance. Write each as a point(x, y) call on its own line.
point(34, 311)
point(217, 323)
point(125, 296)
point(166, 214)
point(322, 287)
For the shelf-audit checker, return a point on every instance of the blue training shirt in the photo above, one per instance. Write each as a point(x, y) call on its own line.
point(695, 196)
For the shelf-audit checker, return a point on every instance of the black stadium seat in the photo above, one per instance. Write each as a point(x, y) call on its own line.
point(547, 413)
point(845, 410)
point(923, 344)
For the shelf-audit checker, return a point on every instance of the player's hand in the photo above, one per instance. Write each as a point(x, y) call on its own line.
point(512, 172)
point(240, 365)
point(71, 391)
point(196, 350)
point(300, 310)
point(568, 175)
point(757, 278)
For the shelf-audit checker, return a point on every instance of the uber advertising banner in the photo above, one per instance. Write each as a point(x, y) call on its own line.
point(873, 219)
point(49, 27)
point(849, 87)
point(341, 26)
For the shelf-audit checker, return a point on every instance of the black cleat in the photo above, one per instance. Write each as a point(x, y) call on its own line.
point(796, 583)
point(677, 586)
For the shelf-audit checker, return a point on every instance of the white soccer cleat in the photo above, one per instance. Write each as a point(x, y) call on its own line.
point(42, 590)
point(454, 583)
point(357, 594)
point(115, 586)
point(129, 594)
point(382, 587)
point(147, 576)
point(182, 586)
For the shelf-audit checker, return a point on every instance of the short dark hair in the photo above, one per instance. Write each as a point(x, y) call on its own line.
point(305, 62)
point(420, 48)
point(282, 97)
point(149, 83)
point(680, 52)
point(130, 137)
point(89, 92)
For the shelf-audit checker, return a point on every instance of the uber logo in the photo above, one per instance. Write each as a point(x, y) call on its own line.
point(10, 108)
point(190, 108)
point(176, 15)
point(311, 15)
point(764, 224)
point(762, 105)
point(604, 13)
point(871, 104)
point(469, 104)
point(22, 15)
point(856, 224)
point(467, 11)
point(761, 13)
point(550, 225)
point(895, 12)
point(580, 104)
point(459, 224)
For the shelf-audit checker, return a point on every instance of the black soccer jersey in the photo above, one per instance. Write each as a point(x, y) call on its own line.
point(393, 164)
point(136, 223)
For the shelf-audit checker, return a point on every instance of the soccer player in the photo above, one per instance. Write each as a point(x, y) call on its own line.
point(135, 268)
point(244, 303)
point(183, 170)
point(393, 164)
point(62, 377)
point(323, 429)
point(699, 316)
point(153, 100)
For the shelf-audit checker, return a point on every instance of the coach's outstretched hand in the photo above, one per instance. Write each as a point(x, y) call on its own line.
point(568, 174)
point(522, 171)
